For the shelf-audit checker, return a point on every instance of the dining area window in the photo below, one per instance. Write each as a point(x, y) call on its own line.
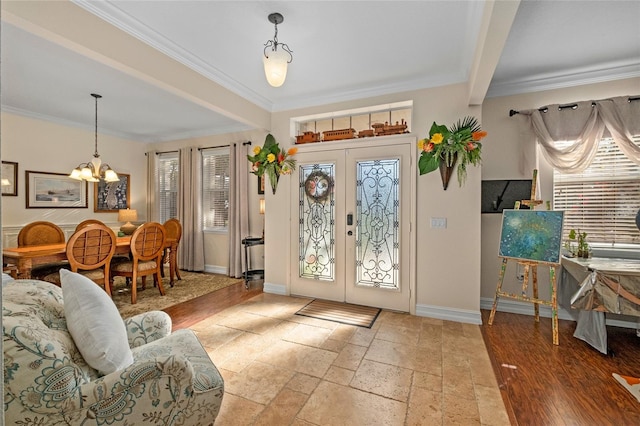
point(215, 189)
point(168, 182)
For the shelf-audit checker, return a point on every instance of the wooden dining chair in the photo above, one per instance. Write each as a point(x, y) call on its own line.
point(40, 233)
point(147, 244)
point(174, 231)
point(89, 251)
point(116, 258)
point(87, 222)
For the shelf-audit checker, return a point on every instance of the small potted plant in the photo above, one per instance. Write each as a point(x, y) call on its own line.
point(581, 249)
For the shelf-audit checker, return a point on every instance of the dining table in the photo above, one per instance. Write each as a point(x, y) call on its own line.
point(26, 258)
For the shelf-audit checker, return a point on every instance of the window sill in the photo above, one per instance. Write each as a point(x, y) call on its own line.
point(216, 231)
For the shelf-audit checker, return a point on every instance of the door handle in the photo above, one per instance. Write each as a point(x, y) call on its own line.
point(349, 220)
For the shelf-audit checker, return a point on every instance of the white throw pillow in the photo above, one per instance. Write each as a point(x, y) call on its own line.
point(95, 324)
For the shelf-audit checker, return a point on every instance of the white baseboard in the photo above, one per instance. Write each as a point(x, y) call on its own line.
point(275, 289)
point(458, 315)
point(213, 269)
point(525, 308)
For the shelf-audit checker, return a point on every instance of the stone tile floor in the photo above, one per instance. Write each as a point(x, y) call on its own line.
point(283, 369)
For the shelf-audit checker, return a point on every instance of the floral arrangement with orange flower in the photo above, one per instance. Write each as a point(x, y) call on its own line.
point(269, 159)
point(460, 143)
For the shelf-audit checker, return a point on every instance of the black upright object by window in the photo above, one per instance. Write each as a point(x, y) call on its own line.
point(638, 219)
point(498, 195)
point(249, 273)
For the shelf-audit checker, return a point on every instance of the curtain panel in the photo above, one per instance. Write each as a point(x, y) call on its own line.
point(584, 124)
point(238, 205)
point(191, 248)
point(152, 186)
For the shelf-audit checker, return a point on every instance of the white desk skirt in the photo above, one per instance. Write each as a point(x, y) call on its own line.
point(606, 286)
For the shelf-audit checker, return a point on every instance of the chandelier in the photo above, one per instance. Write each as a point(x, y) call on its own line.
point(94, 170)
point(276, 61)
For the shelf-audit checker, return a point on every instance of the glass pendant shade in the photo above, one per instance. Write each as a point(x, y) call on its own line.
point(76, 174)
point(275, 67)
point(110, 176)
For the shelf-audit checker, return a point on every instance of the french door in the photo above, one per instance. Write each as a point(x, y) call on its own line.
point(351, 232)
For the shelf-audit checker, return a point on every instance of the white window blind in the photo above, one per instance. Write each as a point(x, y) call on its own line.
point(604, 199)
point(168, 181)
point(215, 188)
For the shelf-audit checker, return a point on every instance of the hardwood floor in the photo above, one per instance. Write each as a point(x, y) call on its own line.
point(541, 384)
point(184, 315)
point(569, 384)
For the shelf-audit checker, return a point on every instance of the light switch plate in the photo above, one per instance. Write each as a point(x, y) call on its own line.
point(439, 222)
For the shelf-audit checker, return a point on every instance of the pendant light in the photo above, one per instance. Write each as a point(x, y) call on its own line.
point(94, 170)
point(276, 61)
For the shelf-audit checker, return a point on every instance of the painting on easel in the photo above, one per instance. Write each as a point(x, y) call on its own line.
point(534, 235)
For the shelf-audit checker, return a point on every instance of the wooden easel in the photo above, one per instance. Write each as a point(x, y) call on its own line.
point(530, 268)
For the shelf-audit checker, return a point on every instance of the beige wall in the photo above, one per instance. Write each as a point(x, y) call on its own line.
point(502, 159)
point(215, 243)
point(455, 266)
point(443, 285)
point(48, 147)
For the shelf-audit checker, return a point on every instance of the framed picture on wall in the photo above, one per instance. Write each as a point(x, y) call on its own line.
point(9, 178)
point(260, 185)
point(109, 197)
point(54, 190)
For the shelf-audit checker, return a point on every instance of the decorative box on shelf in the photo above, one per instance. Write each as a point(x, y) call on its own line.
point(334, 135)
point(389, 129)
point(308, 137)
point(365, 133)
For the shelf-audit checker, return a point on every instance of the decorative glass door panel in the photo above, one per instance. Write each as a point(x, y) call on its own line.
point(316, 222)
point(377, 222)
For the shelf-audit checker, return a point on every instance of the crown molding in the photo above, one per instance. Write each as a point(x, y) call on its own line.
point(311, 100)
point(119, 19)
point(116, 17)
point(196, 133)
point(559, 81)
point(61, 121)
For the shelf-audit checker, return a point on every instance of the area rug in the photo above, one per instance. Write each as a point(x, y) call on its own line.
point(632, 384)
point(192, 284)
point(344, 313)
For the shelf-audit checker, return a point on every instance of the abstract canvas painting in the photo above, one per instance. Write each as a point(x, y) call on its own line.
point(532, 235)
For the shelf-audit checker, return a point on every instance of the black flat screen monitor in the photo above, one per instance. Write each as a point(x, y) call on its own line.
point(498, 195)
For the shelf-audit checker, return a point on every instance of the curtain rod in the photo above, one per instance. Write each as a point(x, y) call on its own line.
point(223, 146)
point(513, 112)
point(164, 152)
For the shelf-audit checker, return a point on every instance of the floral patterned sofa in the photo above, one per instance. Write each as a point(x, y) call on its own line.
point(47, 381)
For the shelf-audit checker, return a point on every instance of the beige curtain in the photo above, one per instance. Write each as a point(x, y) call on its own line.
point(238, 205)
point(191, 249)
point(584, 124)
point(152, 186)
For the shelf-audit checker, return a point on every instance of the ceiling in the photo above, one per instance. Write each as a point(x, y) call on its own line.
point(342, 50)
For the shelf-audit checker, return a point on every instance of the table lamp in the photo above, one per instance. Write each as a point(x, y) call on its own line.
point(262, 205)
point(128, 215)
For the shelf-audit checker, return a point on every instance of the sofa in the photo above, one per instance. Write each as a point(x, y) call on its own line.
point(167, 379)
